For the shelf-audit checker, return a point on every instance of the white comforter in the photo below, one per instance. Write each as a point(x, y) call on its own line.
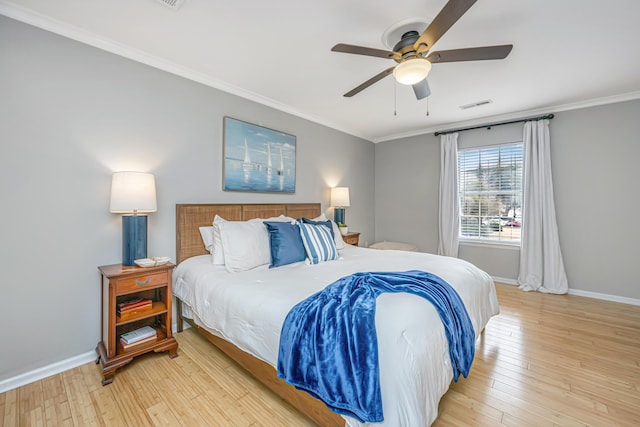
point(248, 309)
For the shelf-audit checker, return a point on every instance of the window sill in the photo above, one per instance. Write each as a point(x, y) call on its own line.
point(515, 246)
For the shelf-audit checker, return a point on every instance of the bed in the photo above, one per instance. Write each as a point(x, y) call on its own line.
point(242, 312)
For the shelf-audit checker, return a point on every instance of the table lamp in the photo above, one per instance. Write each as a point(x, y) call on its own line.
point(133, 193)
point(339, 200)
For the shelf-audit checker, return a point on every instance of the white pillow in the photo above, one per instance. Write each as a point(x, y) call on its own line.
point(207, 238)
point(245, 244)
point(280, 218)
point(218, 253)
point(218, 247)
point(340, 244)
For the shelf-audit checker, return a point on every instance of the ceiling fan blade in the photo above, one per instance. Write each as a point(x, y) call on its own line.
point(470, 54)
point(369, 82)
point(360, 50)
point(421, 89)
point(448, 16)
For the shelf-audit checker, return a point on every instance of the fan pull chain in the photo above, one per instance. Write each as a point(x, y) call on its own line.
point(395, 99)
point(427, 106)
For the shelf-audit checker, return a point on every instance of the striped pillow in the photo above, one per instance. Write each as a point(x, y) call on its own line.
point(318, 242)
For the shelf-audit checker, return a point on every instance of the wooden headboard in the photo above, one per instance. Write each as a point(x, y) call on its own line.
point(189, 217)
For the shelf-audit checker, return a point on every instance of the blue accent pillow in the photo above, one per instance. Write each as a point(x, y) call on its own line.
point(326, 223)
point(285, 243)
point(318, 242)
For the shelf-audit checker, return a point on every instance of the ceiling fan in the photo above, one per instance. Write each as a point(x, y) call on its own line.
point(412, 52)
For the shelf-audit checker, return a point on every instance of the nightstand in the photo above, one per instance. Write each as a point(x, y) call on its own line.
point(351, 238)
point(122, 284)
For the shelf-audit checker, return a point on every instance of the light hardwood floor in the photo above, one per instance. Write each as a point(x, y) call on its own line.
point(546, 360)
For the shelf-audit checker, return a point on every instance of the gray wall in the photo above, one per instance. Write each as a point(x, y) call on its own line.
point(596, 152)
point(594, 162)
point(407, 177)
point(70, 115)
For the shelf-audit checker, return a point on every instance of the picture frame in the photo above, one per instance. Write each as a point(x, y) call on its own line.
point(257, 159)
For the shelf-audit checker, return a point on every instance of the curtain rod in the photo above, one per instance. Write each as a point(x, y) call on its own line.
point(488, 126)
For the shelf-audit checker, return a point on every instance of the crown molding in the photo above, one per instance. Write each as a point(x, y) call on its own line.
point(47, 23)
point(64, 29)
point(629, 96)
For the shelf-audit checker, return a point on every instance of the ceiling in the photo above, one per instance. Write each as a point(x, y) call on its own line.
point(567, 54)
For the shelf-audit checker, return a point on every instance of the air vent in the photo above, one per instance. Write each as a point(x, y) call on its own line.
point(476, 104)
point(172, 4)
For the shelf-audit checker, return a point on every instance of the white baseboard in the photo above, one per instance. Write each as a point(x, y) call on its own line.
point(606, 297)
point(580, 293)
point(505, 281)
point(54, 368)
point(46, 371)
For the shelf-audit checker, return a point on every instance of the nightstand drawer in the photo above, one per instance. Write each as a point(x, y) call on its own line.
point(140, 283)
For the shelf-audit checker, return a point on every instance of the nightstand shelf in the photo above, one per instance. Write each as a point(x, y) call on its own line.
point(120, 283)
point(158, 307)
point(145, 345)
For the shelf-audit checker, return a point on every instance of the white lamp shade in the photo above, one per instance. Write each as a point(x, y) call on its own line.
point(340, 197)
point(412, 71)
point(133, 192)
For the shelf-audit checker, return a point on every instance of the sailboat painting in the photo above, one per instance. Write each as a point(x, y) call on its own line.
point(258, 159)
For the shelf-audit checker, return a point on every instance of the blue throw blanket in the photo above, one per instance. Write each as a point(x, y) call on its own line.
point(329, 346)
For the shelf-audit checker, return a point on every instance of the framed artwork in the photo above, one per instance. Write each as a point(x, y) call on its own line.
point(257, 158)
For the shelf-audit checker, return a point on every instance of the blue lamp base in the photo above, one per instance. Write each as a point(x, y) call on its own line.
point(134, 238)
point(338, 215)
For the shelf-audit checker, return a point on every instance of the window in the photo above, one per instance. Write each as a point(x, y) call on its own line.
point(490, 185)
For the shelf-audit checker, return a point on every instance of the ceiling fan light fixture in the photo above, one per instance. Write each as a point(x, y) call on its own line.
point(412, 71)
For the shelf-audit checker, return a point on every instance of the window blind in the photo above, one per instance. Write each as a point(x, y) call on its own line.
point(490, 190)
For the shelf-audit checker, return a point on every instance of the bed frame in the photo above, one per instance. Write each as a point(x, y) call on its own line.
point(189, 243)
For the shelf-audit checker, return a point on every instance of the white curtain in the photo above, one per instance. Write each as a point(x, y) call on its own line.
point(541, 265)
point(449, 210)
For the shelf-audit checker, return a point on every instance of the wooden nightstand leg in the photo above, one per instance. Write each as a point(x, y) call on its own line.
point(109, 366)
point(108, 372)
point(108, 377)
